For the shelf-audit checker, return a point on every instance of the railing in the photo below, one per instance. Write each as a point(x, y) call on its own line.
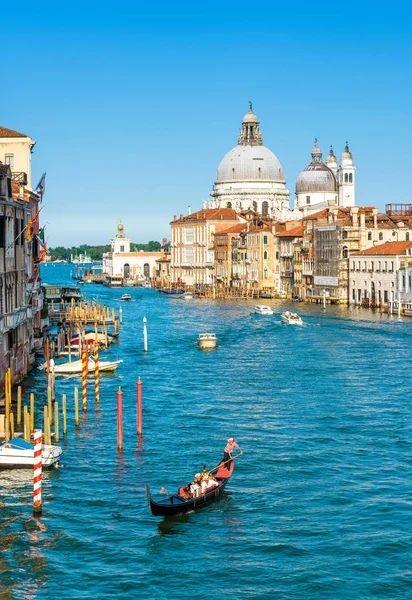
point(17, 317)
point(20, 177)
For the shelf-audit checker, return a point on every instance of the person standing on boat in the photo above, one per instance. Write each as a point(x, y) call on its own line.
point(227, 455)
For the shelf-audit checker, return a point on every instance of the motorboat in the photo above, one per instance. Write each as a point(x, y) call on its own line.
point(207, 341)
point(19, 454)
point(126, 298)
point(171, 291)
point(291, 318)
point(75, 367)
point(263, 309)
point(188, 296)
point(91, 337)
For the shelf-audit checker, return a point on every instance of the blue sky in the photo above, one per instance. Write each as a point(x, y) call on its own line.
point(133, 105)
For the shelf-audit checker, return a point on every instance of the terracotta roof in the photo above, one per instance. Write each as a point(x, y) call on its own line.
point(235, 228)
point(4, 132)
point(258, 228)
point(321, 213)
point(393, 248)
point(295, 232)
point(212, 214)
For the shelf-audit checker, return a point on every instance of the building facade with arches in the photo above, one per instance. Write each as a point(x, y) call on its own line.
point(137, 267)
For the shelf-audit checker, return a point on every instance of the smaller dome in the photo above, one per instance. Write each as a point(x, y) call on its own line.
point(346, 154)
point(316, 178)
point(250, 117)
point(316, 150)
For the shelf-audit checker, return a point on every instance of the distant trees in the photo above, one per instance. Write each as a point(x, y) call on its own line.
point(96, 252)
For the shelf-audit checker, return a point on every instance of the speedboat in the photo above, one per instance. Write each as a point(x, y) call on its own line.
point(75, 367)
point(207, 341)
point(291, 318)
point(19, 454)
point(126, 298)
point(263, 309)
point(187, 296)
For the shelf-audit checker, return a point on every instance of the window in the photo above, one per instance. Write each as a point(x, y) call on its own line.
point(307, 199)
point(385, 296)
point(380, 235)
point(345, 252)
point(233, 173)
point(9, 159)
point(229, 205)
point(265, 255)
point(265, 273)
point(121, 248)
point(346, 178)
point(265, 208)
point(407, 236)
point(370, 235)
point(350, 178)
point(259, 173)
point(277, 255)
point(393, 233)
point(265, 239)
point(255, 206)
point(345, 235)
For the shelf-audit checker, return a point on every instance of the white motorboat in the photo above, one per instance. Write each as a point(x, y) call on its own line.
point(207, 341)
point(75, 367)
point(187, 296)
point(126, 298)
point(263, 309)
point(291, 318)
point(19, 454)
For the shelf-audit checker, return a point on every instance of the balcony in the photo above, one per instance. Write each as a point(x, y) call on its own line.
point(307, 271)
point(20, 177)
point(16, 318)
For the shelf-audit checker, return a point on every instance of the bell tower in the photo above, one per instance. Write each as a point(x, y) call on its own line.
point(120, 243)
point(346, 179)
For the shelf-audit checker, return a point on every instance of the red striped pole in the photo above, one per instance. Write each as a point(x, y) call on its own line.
point(85, 366)
point(37, 471)
point(139, 407)
point(119, 419)
point(96, 372)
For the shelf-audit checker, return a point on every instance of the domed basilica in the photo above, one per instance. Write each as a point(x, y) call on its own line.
point(250, 177)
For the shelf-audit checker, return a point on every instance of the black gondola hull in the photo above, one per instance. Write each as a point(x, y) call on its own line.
point(175, 506)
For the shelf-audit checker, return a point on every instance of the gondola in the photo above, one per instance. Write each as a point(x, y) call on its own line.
point(176, 504)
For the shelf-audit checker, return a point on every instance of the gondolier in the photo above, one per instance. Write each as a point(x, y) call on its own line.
point(228, 451)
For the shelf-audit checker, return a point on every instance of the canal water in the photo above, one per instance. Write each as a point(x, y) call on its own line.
point(319, 503)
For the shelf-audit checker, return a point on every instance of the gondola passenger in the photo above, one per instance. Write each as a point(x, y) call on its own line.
point(195, 486)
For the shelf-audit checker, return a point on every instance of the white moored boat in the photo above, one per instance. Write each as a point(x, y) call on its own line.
point(207, 341)
point(263, 309)
point(19, 454)
point(291, 318)
point(75, 367)
point(187, 296)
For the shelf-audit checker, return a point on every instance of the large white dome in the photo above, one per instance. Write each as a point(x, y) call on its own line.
point(250, 163)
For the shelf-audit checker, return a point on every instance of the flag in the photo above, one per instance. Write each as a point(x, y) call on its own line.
point(41, 234)
point(41, 186)
point(29, 232)
point(43, 253)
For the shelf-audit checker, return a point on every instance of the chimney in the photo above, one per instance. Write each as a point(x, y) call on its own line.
point(335, 212)
point(375, 217)
point(362, 220)
point(174, 218)
point(331, 203)
point(354, 214)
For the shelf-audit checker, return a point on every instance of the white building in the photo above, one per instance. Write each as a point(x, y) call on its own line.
point(250, 177)
point(137, 266)
point(319, 182)
point(373, 273)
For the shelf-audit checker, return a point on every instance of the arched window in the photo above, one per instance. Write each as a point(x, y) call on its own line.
point(229, 205)
point(350, 178)
point(265, 208)
point(146, 270)
point(346, 178)
point(381, 235)
point(265, 255)
point(126, 270)
point(233, 173)
point(259, 173)
point(255, 206)
point(345, 252)
point(265, 273)
point(370, 235)
point(407, 236)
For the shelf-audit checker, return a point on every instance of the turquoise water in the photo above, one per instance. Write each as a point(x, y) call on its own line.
point(318, 506)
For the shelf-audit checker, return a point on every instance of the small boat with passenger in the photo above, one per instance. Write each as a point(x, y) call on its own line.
point(263, 309)
point(126, 298)
point(291, 318)
point(19, 454)
point(207, 341)
point(181, 502)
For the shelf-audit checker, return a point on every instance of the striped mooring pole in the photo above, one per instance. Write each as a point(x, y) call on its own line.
point(85, 361)
point(119, 419)
point(37, 472)
point(96, 372)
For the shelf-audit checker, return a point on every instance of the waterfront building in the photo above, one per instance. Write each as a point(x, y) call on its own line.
point(192, 244)
point(286, 242)
point(163, 275)
point(122, 262)
point(379, 275)
point(225, 263)
point(261, 257)
point(320, 183)
point(21, 300)
point(15, 151)
point(251, 177)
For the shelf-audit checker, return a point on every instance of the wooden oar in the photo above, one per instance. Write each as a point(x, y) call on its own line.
point(226, 461)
